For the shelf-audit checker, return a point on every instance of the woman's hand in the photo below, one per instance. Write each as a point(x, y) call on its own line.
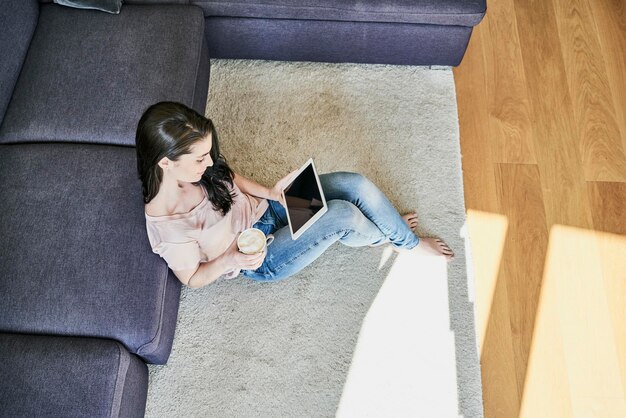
point(235, 259)
point(276, 191)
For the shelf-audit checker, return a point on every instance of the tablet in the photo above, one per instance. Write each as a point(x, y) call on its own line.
point(304, 199)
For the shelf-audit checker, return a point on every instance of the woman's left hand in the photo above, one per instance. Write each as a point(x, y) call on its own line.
point(276, 191)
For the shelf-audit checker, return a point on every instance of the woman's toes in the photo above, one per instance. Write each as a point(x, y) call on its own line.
point(445, 249)
point(410, 219)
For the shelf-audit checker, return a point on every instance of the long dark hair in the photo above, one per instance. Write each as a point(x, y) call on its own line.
point(169, 129)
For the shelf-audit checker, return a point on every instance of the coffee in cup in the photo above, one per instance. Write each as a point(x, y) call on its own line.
point(253, 241)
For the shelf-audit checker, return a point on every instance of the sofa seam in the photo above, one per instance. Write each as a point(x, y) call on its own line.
point(23, 61)
point(157, 335)
point(366, 22)
point(118, 391)
point(473, 14)
point(352, 10)
point(199, 57)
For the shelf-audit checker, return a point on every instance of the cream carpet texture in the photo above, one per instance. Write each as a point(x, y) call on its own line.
point(284, 349)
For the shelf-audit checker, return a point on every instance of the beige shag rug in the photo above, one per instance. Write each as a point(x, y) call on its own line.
point(244, 349)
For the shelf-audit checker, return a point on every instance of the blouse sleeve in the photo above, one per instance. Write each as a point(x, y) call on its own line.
point(180, 256)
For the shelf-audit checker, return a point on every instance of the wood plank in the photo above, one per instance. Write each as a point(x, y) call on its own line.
point(608, 201)
point(509, 110)
point(501, 398)
point(521, 201)
point(487, 232)
point(610, 19)
point(546, 392)
point(596, 124)
point(556, 146)
point(469, 77)
point(612, 248)
point(500, 395)
point(575, 349)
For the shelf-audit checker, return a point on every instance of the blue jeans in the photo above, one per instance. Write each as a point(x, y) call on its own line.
point(358, 215)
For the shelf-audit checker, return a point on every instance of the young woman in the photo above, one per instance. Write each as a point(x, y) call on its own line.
point(196, 206)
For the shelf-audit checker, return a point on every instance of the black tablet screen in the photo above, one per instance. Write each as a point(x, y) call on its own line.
point(303, 198)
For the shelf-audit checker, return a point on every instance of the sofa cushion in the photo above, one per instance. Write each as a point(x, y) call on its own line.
point(70, 377)
point(334, 41)
point(18, 19)
point(89, 76)
point(75, 253)
point(439, 12)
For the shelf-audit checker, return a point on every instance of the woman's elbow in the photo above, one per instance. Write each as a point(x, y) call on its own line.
point(189, 277)
point(194, 284)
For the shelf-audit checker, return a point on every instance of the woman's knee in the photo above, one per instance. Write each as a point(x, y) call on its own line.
point(346, 211)
point(356, 183)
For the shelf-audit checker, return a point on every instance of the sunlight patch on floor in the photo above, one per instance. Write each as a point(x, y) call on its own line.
point(487, 234)
point(577, 362)
point(404, 362)
point(387, 253)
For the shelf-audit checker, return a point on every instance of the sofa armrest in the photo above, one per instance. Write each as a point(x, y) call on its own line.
point(70, 377)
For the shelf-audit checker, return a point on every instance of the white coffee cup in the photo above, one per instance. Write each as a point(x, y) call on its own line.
point(253, 241)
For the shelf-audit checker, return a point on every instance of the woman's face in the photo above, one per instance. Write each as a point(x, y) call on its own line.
point(190, 167)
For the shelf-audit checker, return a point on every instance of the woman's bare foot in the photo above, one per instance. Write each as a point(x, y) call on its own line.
point(432, 247)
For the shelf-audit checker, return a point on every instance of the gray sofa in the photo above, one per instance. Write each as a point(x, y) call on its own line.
point(85, 302)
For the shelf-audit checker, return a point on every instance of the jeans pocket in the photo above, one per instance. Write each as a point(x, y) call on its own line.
point(266, 226)
point(269, 219)
point(279, 214)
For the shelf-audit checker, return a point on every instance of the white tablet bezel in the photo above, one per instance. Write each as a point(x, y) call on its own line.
point(321, 212)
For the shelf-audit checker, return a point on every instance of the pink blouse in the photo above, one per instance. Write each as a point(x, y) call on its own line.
point(187, 239)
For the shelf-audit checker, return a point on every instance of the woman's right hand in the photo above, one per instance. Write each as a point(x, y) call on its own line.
point(235, 259)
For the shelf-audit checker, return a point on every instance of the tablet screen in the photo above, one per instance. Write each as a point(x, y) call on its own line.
point(303, 198)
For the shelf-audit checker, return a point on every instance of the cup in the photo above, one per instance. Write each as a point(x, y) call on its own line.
point(253, 241)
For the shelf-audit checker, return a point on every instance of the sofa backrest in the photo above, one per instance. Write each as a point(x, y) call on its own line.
point(89, 75)
point(429, 12)
point(142, 1)
point(18, 19)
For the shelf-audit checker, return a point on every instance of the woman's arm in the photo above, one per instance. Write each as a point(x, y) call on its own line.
point(253, 188)
point(210, 271)
point(202, 275)
point(205, 274)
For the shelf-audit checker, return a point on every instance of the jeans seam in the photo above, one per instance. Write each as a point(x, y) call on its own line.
point(285, 264)
point(281, 266)
point(278, 221)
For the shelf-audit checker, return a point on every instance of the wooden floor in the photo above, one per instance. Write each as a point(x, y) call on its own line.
point(542, 108)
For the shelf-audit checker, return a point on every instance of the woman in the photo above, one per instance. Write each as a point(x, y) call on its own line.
point(196, 206)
